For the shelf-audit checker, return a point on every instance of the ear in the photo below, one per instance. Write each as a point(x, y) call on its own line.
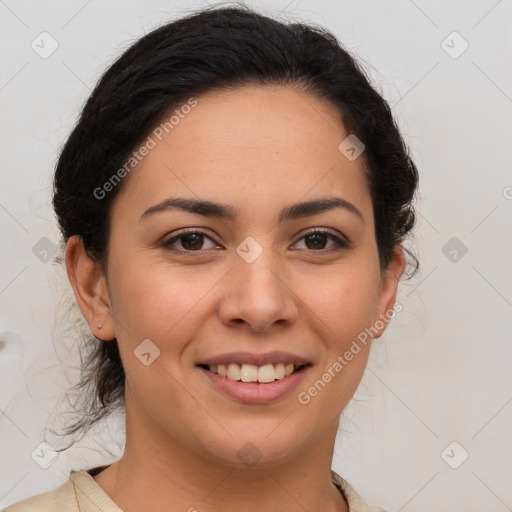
point(388, 287)
point(90, 287)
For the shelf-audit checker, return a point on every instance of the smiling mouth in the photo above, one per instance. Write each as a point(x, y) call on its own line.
point(265, 374)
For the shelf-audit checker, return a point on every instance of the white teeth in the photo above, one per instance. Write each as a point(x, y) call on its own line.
point(233, 372)
point(266, 373)
point(251, 373)
point(280, 371)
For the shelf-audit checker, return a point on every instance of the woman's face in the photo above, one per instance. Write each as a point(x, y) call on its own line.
point(253, 288)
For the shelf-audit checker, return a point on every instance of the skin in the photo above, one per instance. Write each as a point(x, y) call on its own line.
point(257, 149)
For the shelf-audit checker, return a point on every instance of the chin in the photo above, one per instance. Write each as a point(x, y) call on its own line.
point(256, 445)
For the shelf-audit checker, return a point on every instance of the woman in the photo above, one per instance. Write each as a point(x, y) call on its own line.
point(234, 199)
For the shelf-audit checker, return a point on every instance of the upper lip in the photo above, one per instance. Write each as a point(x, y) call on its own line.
point(255, 359)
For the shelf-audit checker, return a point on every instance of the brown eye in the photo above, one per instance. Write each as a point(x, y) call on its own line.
point(190, 241)
point(317, 240)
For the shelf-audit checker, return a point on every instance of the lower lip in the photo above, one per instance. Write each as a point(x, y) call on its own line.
point(255, 392)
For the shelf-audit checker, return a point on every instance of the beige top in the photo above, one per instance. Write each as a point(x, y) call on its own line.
point(81, 493)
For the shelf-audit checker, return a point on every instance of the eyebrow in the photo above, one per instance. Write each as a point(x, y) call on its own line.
point(223, 211)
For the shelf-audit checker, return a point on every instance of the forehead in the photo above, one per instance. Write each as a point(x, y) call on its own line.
point(252, 144)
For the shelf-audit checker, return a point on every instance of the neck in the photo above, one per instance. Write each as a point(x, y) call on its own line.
point(158, 474)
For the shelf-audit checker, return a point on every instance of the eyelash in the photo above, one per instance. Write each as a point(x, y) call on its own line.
point(341, 243)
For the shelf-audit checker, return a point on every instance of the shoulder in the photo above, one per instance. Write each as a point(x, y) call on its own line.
point(62, 498)
point(80, 493)
point(355, 502)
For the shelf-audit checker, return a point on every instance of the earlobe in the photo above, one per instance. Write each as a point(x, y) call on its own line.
point(89, 284)
point(388, 289)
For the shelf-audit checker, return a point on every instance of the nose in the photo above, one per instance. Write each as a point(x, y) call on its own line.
point(259, 296)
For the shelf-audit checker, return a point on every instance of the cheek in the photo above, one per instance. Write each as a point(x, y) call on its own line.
point(343, 303)
point(158, 302)
point(343, 308)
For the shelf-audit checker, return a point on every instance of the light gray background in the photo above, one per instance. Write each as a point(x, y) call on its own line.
point(441, 373)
